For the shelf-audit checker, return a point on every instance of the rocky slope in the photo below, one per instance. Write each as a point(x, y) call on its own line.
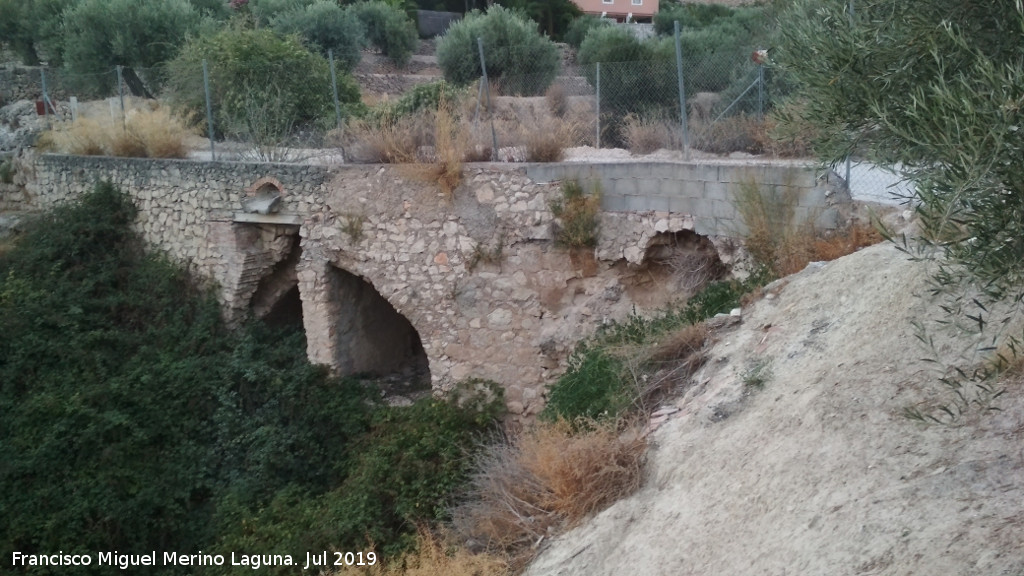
point(817, 472)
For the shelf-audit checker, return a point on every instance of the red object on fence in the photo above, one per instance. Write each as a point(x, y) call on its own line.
point(41, 108)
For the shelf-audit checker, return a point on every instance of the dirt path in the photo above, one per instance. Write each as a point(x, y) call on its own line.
point(818, 473)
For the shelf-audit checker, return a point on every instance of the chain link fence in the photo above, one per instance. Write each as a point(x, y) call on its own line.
point(637, 104)
point(243, 117)
point(633, 104)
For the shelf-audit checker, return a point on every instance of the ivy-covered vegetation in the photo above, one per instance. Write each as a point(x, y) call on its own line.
point(134, 420)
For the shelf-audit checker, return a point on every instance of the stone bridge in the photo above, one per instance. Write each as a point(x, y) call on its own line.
point(386, 275)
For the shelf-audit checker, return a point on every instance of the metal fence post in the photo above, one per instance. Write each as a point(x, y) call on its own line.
point(760, 91)
point(334, 84)
point(479, 99)
point(483, 67)
point(120, 95)
point(597, 138)
point(46, 99)
point(209, 109)
point(682, 91)
point(849, 188)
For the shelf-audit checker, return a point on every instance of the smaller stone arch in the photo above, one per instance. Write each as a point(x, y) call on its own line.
point(686, 260)
point(265, 196)
point(264, 186)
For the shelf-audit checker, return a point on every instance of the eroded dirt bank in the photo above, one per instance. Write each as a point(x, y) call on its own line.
point(818, 472)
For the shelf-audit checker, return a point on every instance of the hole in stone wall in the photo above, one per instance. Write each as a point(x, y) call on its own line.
point(281, 280)
point(688, 259)
point(287, 311)
point(375, 339)
point(676, 265)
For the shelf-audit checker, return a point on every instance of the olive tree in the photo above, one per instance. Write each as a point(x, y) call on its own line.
point(102, 34)
point(513, 49)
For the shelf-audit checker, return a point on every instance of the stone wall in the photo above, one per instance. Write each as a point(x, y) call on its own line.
point(432, 23)
point(477, 275)
point(25, 83)
point(188, 209)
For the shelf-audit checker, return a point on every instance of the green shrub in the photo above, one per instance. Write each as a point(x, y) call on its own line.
point(402, 473)
point(147, 34)
point(421, 97)
point(264, 87)
point(265, 11)
point(102, 387)
point(635, 74)
point(524, 61)
point(214, 9)
point(325, 26)
point(553, 17)
point(388, 29)
point(581, 26)
point(719, 54)
point(593, 387)
point(602, 378)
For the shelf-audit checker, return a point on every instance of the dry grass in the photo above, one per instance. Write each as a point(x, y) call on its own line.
point(558, 101)
point(695, 269)
point(549, 144)
point(777, 240)
point(578, 216)
point(787, 133)
point(431, 146)
point(434, 555)
point(740, 133)
point(153, 133)
point(392, 141)
point(646, 135)
point(845, 241)
point(683, 345)
point(441, 165)
point(451, 140)
point(552, 474)
point(658, 369)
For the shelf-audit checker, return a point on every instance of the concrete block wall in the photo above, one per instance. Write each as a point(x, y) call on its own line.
point(704, 190)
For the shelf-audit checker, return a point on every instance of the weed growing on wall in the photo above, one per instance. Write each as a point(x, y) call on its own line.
point(579, 216)
point(783, 244)
point(6, 171)
point(352, 226)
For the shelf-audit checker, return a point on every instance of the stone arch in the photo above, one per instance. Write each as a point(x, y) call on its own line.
point(355, 329)
point(276, 298)
point(264, 186)
point(685, 259)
